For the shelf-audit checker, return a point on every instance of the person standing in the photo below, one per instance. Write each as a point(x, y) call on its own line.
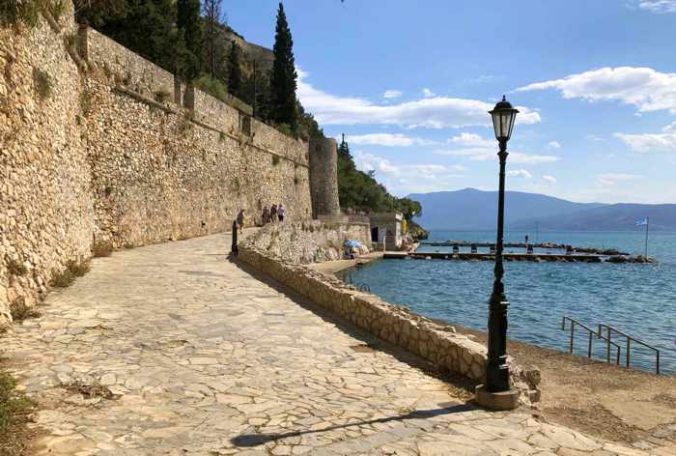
point(266, 215)
point(240, 220)
point(273, 213)
point(280, 212)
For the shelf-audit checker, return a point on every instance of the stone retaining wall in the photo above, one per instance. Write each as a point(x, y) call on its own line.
point(437, 343)
point(309, 241)
point(95, 145)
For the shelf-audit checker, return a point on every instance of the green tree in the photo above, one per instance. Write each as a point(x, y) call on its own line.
point(235, 84)
point(97, 12)
point(213, 40)
point(146, 28)
point(283, 82)
point(189, 25)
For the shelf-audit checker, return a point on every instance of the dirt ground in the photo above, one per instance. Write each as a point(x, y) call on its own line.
point(608, 401)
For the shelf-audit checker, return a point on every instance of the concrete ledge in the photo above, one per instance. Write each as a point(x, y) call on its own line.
point(505, 400)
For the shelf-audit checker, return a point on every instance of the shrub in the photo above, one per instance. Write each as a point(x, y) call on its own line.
point(286, 129)
point(20, 311)
point(42, 83)
point(275, 160)
point(296, 180)
point(214, 87)
point(102, 249)
point(78, 268)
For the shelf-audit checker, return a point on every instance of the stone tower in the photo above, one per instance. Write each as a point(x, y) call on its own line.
point(324, 177)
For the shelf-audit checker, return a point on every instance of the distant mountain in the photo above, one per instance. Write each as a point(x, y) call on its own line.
point(471, 209)
point(616, 217)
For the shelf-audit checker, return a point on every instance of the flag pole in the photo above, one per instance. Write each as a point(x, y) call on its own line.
point(647, 225)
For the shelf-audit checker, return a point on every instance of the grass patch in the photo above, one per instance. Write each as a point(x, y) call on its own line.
point(42, 84)
point(102, 249)
point(85, 102)
point(14, 414)
point(16, 268)
point(57, 8)
point(74, 269)
point(162, 95)
point(12, 12)
point(213, 87)
point(20, 311)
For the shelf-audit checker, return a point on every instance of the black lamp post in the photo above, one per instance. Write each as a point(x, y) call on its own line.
point(495, 393)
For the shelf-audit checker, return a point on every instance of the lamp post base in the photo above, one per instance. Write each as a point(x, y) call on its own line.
point(504, 400)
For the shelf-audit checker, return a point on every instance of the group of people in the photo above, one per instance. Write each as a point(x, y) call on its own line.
point(273, 214)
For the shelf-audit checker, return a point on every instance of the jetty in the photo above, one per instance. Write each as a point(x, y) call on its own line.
point(536, 253)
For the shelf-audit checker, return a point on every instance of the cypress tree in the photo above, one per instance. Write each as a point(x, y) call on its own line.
point(189, 24)
point(234, 71)
point(284, 78)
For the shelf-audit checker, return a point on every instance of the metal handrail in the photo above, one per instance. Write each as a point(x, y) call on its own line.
point(591, 333)
point(629, 338)
point(363, 287)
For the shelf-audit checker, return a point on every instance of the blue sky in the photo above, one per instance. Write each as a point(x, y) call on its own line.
point(409, 83)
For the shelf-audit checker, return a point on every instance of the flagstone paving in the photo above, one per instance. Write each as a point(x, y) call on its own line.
point(171, 349)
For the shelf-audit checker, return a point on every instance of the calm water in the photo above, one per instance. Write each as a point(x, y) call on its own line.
point(638, 299)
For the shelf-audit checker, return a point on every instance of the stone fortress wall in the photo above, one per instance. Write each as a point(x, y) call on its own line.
point(96, 144)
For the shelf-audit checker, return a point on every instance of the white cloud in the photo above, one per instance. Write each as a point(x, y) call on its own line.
point(388, 140)
point(465, 139)
point(427, 93)
point(670, 127)
point(390, 94)
point(550, 179)
point(553, 145)
point(478, 148)
point(407, 178)
point(649, 142)
point(523, 173)
point(611, 179)
point(645, 88)
point(658, 6)
point(436, 112)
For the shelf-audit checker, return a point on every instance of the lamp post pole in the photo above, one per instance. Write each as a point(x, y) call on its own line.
point(495, 393)
point(497, 371)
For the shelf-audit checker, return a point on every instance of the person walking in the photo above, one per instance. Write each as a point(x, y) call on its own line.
point(281, 212)
point(266, 215)
point(273, 213)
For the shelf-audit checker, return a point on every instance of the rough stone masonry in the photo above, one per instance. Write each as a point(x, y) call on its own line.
point(99, 145)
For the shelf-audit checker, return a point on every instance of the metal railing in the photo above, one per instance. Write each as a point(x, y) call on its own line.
point(610, 330)
point(363, 287)
point(591, 333)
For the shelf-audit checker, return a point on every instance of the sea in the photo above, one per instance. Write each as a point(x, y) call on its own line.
point(638, 299)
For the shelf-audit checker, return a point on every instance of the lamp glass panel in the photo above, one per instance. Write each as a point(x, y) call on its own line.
point(496, 124)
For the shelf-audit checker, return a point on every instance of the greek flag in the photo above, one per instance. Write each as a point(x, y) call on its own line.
point(642, 222)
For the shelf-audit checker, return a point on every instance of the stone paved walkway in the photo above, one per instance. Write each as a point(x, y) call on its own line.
point(170, 349)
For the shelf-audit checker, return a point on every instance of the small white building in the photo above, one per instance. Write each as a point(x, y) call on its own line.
point(386, 229)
